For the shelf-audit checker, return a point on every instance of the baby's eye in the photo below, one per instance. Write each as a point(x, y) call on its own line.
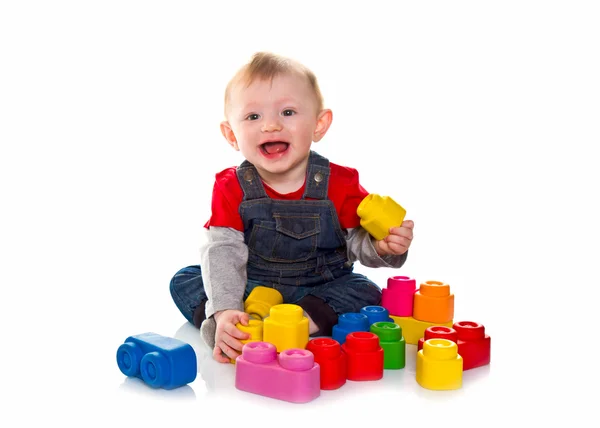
point(289, 112)
point(253, 116)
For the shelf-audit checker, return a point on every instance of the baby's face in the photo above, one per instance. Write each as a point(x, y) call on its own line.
point(274, 122)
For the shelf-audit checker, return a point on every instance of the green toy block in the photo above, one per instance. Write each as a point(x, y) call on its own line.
point(393, 344)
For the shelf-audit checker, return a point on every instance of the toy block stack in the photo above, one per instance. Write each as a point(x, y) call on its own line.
point(473, 344)
point(432, 305)
point(258, 305)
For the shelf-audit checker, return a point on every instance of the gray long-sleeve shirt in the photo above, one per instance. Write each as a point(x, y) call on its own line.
point(224, 257)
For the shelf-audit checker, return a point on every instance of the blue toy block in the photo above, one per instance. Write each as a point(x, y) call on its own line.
point(376, 314)
point(349, 323)
point(160, 361)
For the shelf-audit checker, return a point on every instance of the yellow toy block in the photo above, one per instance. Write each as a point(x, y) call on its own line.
point(378, 214)
point(260, 301)
point(439, 367)
point(286, 327)
point(413, 329)
point(255, 328)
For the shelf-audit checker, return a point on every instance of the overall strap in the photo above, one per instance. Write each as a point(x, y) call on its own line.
point(250, 181)
point(317, 177)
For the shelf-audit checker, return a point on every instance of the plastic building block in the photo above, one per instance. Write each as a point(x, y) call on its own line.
point(434, 302)
point(260, 301)
point(438, 332)
point(376, 314)
point(413, 329)
point(328, 354)
point(290, 376)
point(393, 344)
point(160, 361)
point(378, 214)
point(347, 323)
point(439, 367)
point(399, 295)
point(474, 346)
point(286, 327)
point(254, 328)
point(365, 356)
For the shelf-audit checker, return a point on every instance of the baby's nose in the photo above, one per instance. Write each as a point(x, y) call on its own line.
point(271, 125)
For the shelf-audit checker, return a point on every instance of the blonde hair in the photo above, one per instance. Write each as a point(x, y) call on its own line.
point(266, 66)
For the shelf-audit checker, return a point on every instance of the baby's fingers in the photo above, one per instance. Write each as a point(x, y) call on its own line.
point(396, 239)
point(218, 355)
point(244, 318)
point(228, 350)
point(230, 340)
point(408, 224)
point(400, 232)
point(236, 333)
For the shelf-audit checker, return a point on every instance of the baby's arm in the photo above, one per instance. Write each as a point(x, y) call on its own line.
point(361, 248)
point(223, 259)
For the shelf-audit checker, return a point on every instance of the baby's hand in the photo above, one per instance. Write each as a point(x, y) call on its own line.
point(398, 241)
point(227, 334)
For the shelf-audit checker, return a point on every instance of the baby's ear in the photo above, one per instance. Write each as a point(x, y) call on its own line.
point(229, 135)
point(323, 123)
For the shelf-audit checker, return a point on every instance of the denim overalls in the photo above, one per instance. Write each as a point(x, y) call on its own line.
point(295, 246)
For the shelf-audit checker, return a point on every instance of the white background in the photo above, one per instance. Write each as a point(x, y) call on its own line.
point(478, 117)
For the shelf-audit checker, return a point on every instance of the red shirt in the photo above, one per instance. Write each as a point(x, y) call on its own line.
point(344, 191)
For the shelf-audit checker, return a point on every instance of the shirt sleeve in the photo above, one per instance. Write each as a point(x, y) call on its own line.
point(226, 198)
point(223, 259)
point(353, 194)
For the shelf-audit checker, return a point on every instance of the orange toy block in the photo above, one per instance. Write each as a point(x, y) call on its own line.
point(414, 329)
point(434, 303)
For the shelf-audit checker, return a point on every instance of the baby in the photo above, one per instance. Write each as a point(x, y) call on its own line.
point(285, 218)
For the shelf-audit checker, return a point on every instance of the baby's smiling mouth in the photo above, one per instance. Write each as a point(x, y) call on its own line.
point(273, 147)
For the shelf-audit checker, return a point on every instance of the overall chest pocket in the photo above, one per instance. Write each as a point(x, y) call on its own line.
point(290, 238)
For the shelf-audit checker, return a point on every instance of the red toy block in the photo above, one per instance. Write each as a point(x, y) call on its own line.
point(365, 356)
point(328, 354)
point(438, 332)
point(474, 346)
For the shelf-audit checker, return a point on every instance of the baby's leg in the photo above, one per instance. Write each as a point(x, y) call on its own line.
point(326, 302)
point(187, 291)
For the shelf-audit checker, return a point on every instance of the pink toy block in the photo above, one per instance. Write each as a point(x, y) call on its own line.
point(398, 297)
point(290, 376)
